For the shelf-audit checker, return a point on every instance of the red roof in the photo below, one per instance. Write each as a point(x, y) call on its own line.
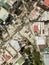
point(35, 28)
point(46, 3)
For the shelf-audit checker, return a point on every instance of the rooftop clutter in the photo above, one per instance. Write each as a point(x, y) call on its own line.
point(24, 32)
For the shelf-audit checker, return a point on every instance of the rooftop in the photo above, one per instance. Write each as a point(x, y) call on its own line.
point(46, 3)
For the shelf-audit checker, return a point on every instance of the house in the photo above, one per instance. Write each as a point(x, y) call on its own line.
point(44, 16)
point(20, 61)
point(3, 14)
point(7, 4)
point(27, 34)
point(17, 60)
point(46, 3)
point(46, 58)
point(34, 14)
point(1, 2)
point(41, 43)
point(15, 45)
point(6, 17)
point(40, 28)
point(7, 56)
point(10, 2)
point(36, 27)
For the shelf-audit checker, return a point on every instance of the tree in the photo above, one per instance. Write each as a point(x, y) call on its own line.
point(34, 56)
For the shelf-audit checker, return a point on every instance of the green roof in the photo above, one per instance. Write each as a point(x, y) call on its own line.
point(1, 2)
point(45, 50)
point(20, 61)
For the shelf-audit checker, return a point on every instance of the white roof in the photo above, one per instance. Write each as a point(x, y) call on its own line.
point(44, 16)
point(3, 14)
point(46, 59)
point(40, 40)
point(15, 44)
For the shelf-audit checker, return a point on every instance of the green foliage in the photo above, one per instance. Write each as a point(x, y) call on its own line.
point(27, 51)
point(34, 57)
